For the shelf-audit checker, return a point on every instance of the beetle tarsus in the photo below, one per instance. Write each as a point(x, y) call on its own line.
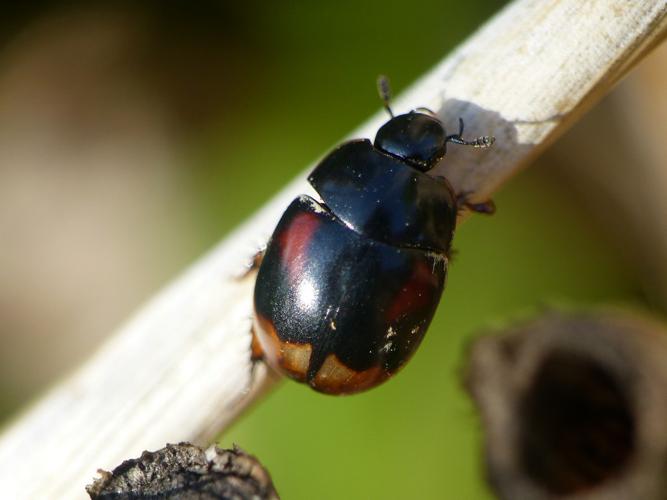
point(487, 207)
point(427, 110)
point(256, 351)
point(483, 141)
point(253, 264)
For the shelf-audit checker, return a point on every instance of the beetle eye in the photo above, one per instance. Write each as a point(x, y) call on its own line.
point(417, 138)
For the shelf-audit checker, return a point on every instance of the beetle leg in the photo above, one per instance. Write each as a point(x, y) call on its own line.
point(483, 141)
point(256, 351)
point(427, 110)
point(487, 207)
point(253, 265)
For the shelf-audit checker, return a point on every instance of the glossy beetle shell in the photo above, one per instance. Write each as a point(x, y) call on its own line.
point(336, 309)
point(381, 197)
point(348, 286)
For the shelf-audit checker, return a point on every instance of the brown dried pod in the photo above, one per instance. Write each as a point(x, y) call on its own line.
point(574, 406)
point(185, 471)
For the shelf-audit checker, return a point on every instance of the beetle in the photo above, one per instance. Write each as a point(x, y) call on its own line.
point(348, 284)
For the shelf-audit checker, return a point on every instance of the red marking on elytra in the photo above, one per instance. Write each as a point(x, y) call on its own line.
point(294, 242)
point(415, 294)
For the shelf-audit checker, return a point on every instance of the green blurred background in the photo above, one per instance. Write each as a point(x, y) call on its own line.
point(133, 136)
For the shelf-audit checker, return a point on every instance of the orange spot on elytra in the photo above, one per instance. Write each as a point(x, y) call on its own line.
point(294, 240)
point(334, 377)
point(415, 294)
point(290, 359)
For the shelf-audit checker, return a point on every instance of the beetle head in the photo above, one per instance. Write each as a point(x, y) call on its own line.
point(417, 138)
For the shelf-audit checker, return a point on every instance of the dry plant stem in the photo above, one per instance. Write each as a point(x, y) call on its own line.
point(180, 370)
point(574, 406)
point(630, 208)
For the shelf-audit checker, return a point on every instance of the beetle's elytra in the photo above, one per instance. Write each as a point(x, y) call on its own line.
point(349, 284)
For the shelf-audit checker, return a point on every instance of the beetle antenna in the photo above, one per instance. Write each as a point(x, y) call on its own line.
point(384, 89)
point(483, 141)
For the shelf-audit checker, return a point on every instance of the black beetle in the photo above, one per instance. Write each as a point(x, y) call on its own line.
point(348, 285)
